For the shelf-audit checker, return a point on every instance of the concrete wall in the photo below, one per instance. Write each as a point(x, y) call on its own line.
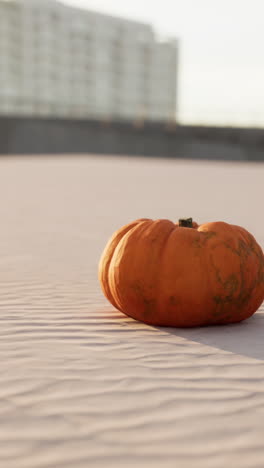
point(48, 136)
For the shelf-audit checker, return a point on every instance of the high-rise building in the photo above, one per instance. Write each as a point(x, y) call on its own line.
point(61, 61)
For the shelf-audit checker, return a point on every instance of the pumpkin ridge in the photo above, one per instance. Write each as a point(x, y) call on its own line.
point(106, 258)
point(111, 272)
point(158, 284)
point(243, 251)
point(149, 300)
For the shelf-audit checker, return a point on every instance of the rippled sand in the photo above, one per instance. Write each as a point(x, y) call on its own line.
point(81, 384)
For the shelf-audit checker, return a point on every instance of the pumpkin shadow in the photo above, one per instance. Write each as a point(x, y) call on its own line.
point(245, 338)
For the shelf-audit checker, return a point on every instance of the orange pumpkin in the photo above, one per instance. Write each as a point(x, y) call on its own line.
point(183, 275)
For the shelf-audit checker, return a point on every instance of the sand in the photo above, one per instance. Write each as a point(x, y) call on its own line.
point(81, 384)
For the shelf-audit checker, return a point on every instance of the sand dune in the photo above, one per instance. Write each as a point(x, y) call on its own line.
point(81, 384)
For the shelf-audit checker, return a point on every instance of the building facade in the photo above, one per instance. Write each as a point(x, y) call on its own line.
point(60, 61)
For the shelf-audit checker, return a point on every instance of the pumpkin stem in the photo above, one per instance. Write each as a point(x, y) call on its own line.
point(187, 222)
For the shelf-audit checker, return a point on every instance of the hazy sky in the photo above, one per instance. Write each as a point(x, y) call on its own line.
point(221, 77)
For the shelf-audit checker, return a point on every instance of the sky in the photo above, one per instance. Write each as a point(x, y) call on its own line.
point(221, 63)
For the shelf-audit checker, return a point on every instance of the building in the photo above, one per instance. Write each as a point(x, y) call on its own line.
point(61, 61)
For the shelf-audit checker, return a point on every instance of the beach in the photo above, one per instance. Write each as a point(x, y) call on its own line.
point(84, 385)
